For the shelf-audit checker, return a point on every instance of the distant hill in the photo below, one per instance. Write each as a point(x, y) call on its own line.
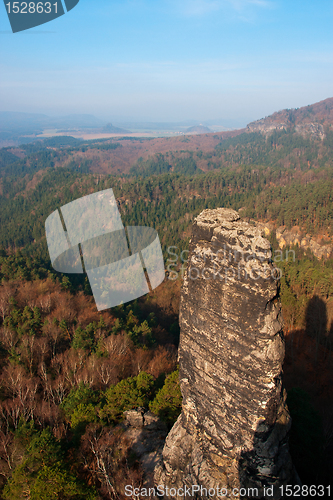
point(111, 129)
point(21, 128)
point(198, 129)
point(30, 121)
point(294, 138)
point(309, 121)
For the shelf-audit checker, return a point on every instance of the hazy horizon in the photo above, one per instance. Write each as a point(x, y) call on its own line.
point(19, 118)
point(168, 61)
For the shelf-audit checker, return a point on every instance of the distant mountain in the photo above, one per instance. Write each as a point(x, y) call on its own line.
point(15, 127)
point(31, 121)
point(198, 129)
point(111, 129)
point(16, 119)
point(309, 121)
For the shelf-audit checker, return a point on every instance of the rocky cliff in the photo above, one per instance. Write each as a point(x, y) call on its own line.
point(232, 435)
point(308, 121)
point(312, 129)
point(296, 236)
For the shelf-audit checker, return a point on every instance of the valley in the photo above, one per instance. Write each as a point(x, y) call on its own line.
point(68, 373)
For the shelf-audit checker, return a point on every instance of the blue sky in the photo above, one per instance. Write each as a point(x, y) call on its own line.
point(171, 60)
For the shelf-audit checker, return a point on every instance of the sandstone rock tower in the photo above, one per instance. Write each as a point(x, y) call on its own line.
point(233, 429)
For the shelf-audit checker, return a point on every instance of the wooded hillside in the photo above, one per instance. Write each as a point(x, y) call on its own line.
point(69, 372)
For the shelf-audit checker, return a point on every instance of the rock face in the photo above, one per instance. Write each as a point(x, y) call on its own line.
point(309, 121)
point(306, 130)
point(315, 130)
point(146, 433)
point(266, 128)
point(295, 236)
point(233, 428)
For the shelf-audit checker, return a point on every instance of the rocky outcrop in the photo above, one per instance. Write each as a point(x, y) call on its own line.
point(296, 237)
point(146, 433)
point(308, 121)
point(266, 127)
point(232, 434)
point(306, 130)
point(315, 130)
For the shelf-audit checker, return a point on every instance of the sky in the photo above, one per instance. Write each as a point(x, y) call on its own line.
point(171, 60)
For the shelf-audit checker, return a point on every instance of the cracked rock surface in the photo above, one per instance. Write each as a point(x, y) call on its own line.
point(233, 428)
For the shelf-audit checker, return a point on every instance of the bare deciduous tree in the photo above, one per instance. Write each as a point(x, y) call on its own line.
point(7, 290)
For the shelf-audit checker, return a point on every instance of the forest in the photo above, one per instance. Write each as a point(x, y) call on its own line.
point(68, 373)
